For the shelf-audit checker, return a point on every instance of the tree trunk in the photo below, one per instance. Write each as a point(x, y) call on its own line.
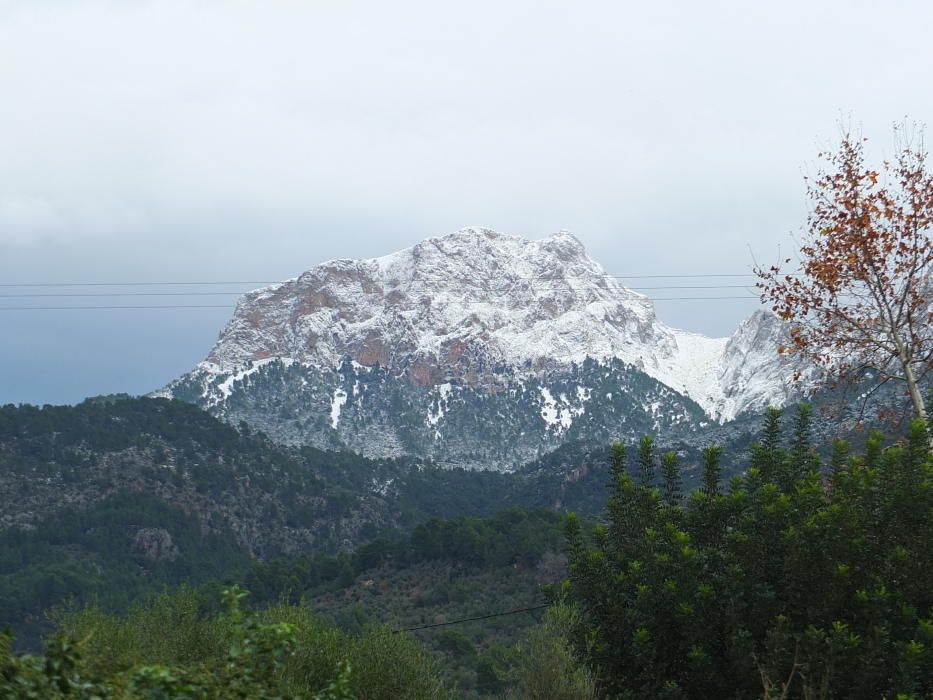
point(915, 396)
point(913, 389)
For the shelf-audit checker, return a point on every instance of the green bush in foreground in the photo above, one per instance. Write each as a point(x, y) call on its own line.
point(165, 650)
point(790, 584)
point(548, 668)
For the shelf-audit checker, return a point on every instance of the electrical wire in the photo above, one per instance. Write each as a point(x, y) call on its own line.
point(34, 295)
point(473, 619)
point(160, 283)
point(228, 306)
point(486, 296)
point(91, 308)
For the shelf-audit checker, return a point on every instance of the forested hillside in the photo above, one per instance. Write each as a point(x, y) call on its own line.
point(119, 496)
point(113, 498)
point(803, 578)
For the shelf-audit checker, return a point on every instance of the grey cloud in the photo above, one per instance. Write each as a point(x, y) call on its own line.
point(173, 139)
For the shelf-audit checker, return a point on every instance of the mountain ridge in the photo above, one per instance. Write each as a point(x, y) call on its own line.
point(473, 312)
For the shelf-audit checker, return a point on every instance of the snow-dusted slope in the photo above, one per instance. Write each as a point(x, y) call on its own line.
point(457, 307)
point(752, 373)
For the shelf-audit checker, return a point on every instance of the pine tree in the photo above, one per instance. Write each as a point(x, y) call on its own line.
point(802, 458)
point(767, 455)
point(646, 461)
point(771, 434)
point(838, 461)
point(803, 431)
point(918, 450)
point(617, 455)
point(711, 470)
point(672, 482)
point(873, 449)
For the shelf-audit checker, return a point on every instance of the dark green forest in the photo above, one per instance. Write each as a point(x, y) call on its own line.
point(799, 579)
point(116, 498)
point(806, 576)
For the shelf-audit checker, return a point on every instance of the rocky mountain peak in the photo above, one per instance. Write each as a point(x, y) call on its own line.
point(457, 321)
point(447, 305)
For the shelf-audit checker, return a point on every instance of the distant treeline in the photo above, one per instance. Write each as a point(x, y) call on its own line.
point(514, 536)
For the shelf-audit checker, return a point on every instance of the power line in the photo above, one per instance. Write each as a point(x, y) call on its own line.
point(743, 296)
point(163, 283)
point(119, 294)
point(483, 298)
point(473, 619)
point(700, 286)
point(34, 295)
point(228, 306)
point(89, 308)
point(705, 274)
point(597, 275)
point(118, 284)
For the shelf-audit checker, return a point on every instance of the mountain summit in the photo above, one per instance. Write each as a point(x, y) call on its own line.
point(479, 312)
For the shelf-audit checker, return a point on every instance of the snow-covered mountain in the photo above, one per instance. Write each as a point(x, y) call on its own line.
point(475, 313)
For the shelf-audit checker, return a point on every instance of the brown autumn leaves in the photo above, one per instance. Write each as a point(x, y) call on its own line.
point(861, 297)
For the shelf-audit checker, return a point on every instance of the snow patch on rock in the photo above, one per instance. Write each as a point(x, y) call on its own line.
point(336, 404)
point(453, 308)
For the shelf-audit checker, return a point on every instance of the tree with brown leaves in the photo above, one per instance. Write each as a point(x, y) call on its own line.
point(860, 300)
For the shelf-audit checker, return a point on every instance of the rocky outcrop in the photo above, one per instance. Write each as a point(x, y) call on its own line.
point(155, 543)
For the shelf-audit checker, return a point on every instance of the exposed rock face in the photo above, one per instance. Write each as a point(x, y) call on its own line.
point(444, 308)
point(753, 373)
point(155, 543)
point(471, 317)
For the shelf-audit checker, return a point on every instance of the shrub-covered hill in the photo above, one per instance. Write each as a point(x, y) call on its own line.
point(270, 499)
point(112, 498)
point(801, 578)
point(118, 496)
point(59, 458)
point(443, 572)
point(446, 582)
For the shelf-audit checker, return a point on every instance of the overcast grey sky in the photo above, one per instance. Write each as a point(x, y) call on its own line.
point(202, 140)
